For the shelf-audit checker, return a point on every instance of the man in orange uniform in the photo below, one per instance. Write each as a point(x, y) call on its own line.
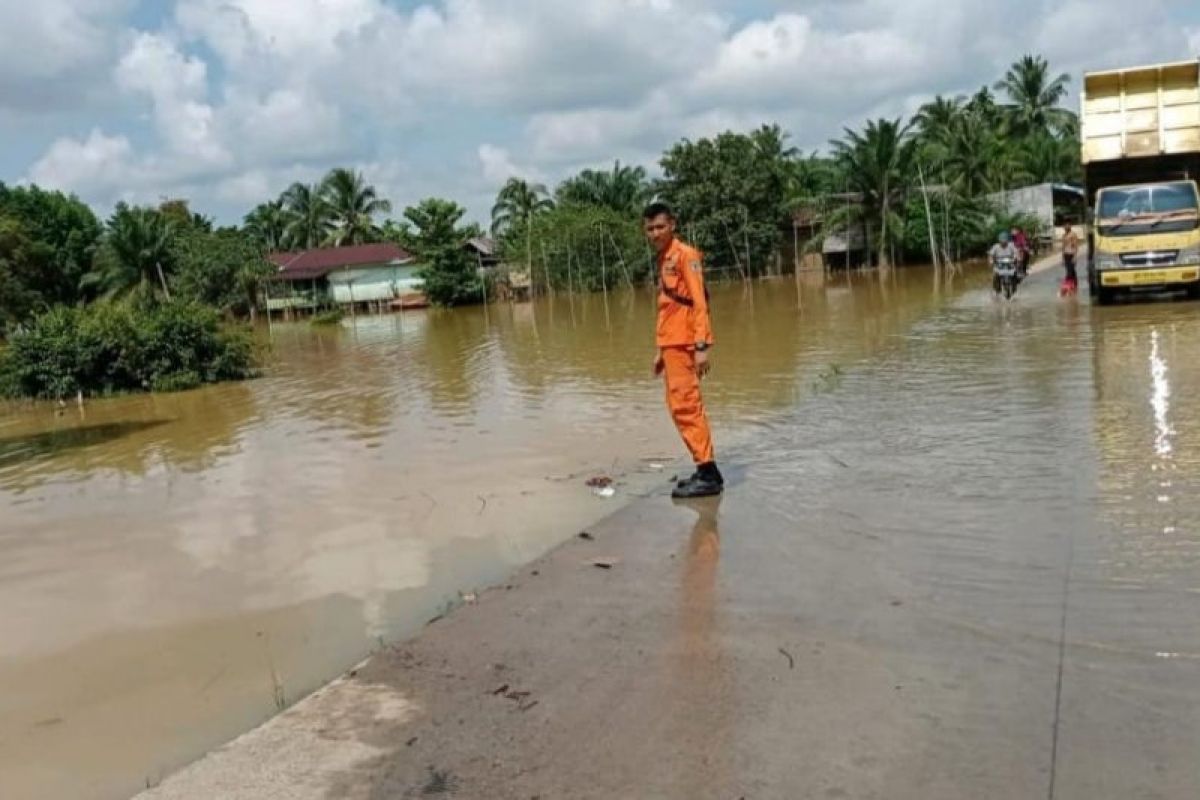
point(684, 337)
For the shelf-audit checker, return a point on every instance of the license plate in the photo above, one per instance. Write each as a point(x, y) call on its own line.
point(1150, 277)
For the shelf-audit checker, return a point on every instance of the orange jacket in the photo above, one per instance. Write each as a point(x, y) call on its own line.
point(681, 276)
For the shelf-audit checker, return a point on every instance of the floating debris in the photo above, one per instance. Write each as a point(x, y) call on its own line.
point(605, 492)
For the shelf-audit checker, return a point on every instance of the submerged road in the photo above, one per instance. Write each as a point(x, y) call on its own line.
point(965, 565)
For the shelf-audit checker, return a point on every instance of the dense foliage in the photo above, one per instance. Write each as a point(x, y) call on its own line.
point(107, 348)
point(433, 234)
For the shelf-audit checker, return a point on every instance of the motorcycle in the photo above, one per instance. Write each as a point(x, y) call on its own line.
point(1004, 276)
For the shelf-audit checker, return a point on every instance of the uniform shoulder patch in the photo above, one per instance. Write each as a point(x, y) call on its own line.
point(695, 265)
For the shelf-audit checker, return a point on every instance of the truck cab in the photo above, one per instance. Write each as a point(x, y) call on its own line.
point(1146, 236)
point(1140, 131)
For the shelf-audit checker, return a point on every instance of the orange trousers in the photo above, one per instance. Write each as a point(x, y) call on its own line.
point(685, 403)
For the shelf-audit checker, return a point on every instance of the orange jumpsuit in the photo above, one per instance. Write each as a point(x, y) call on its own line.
point(680, 328)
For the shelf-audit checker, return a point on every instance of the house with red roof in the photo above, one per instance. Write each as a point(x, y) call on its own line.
point(367, 276)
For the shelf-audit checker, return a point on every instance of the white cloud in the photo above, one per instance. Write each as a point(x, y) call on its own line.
point(498, 166)
point(177, 86)
point(52, 52)
point(96, 162)
point(453, 97)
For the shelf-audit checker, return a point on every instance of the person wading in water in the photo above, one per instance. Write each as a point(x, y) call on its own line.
point(683, 337)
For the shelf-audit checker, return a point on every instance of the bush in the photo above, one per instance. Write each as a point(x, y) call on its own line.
point(333, 316)
point(111, 348)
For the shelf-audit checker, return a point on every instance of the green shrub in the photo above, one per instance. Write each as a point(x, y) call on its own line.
point(333, 316)
point(109, 348)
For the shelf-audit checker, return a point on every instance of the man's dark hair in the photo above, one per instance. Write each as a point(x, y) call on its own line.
point(657, 209)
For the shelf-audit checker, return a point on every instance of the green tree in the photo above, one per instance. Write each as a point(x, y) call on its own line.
point(353, 204)
point(20, 262)
point(135, 255)
point(309, 218)
point(731, 195)
point(1045, 158)
point(224, 269)
point(583, 247)
point(62, 233)
point(433, 234)
point(1034, 96)
point(517, 204)
point(933, 120)
point(976, 157)
point(879, 165)
point(267, 226)
point(624, 189)
point(179, 213)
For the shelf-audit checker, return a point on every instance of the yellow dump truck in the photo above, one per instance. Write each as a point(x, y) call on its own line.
point(1140, 132)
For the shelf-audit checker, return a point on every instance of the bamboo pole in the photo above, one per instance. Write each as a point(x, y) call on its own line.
point(937, 267)
point(570, 285)
point(483, 287)
point(621, 260)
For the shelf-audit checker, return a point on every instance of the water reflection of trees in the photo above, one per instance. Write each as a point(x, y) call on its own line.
point(129, 435)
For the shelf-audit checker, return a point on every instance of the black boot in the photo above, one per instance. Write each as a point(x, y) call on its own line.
point(705, 483)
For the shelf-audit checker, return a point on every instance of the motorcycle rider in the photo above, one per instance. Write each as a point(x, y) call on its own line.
point(1003, 249)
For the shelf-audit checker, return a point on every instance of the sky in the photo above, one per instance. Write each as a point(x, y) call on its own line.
point(227, 102)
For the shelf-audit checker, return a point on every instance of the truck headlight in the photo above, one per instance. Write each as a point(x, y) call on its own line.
point(1108, 261)
point(1189, 257)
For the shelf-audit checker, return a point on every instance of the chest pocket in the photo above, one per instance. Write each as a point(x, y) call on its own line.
point(673, 284)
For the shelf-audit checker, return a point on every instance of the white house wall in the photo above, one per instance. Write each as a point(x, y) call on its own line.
point(370, 284)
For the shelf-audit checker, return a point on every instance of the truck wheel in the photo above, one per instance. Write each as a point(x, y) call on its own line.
point(1193, 291)
point(1103, 297)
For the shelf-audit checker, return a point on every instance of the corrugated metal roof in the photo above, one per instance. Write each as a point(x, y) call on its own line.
point(311, 264)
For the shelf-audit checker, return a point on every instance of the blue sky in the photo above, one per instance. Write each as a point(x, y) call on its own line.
point(226, 102)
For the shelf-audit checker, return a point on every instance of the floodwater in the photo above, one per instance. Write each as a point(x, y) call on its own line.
point(175, 568)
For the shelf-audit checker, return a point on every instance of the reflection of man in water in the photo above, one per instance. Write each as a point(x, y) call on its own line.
point(683, 338)
point(699, 702)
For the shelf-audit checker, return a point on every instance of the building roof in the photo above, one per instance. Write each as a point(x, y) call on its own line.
point(483, 245)
point(311, 264)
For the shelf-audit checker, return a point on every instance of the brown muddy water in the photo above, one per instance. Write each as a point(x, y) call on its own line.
point(174, 569)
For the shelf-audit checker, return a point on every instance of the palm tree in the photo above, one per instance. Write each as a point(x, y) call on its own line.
point(1034, 96)
point(309, 221)
point(933, 119)
point(623, 189)
point(352, 204)
point(976, 157)
point(517, 204)
point(267, 225)
point(1049, 159)
point(878, 164)
point(134, 256)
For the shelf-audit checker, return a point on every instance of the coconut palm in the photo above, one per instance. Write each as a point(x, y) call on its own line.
point(309, 221)
point(878, 164)
point(517, 204)
point(267, 225)
point(933, 119)
point(1034, 96)
point(134, 255)
point(1049, 159)
point(976, 157)
point(353, 204)
point(623, 188)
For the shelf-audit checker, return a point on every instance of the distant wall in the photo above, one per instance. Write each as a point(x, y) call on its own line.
point(370, 283)
point(1036, 200)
